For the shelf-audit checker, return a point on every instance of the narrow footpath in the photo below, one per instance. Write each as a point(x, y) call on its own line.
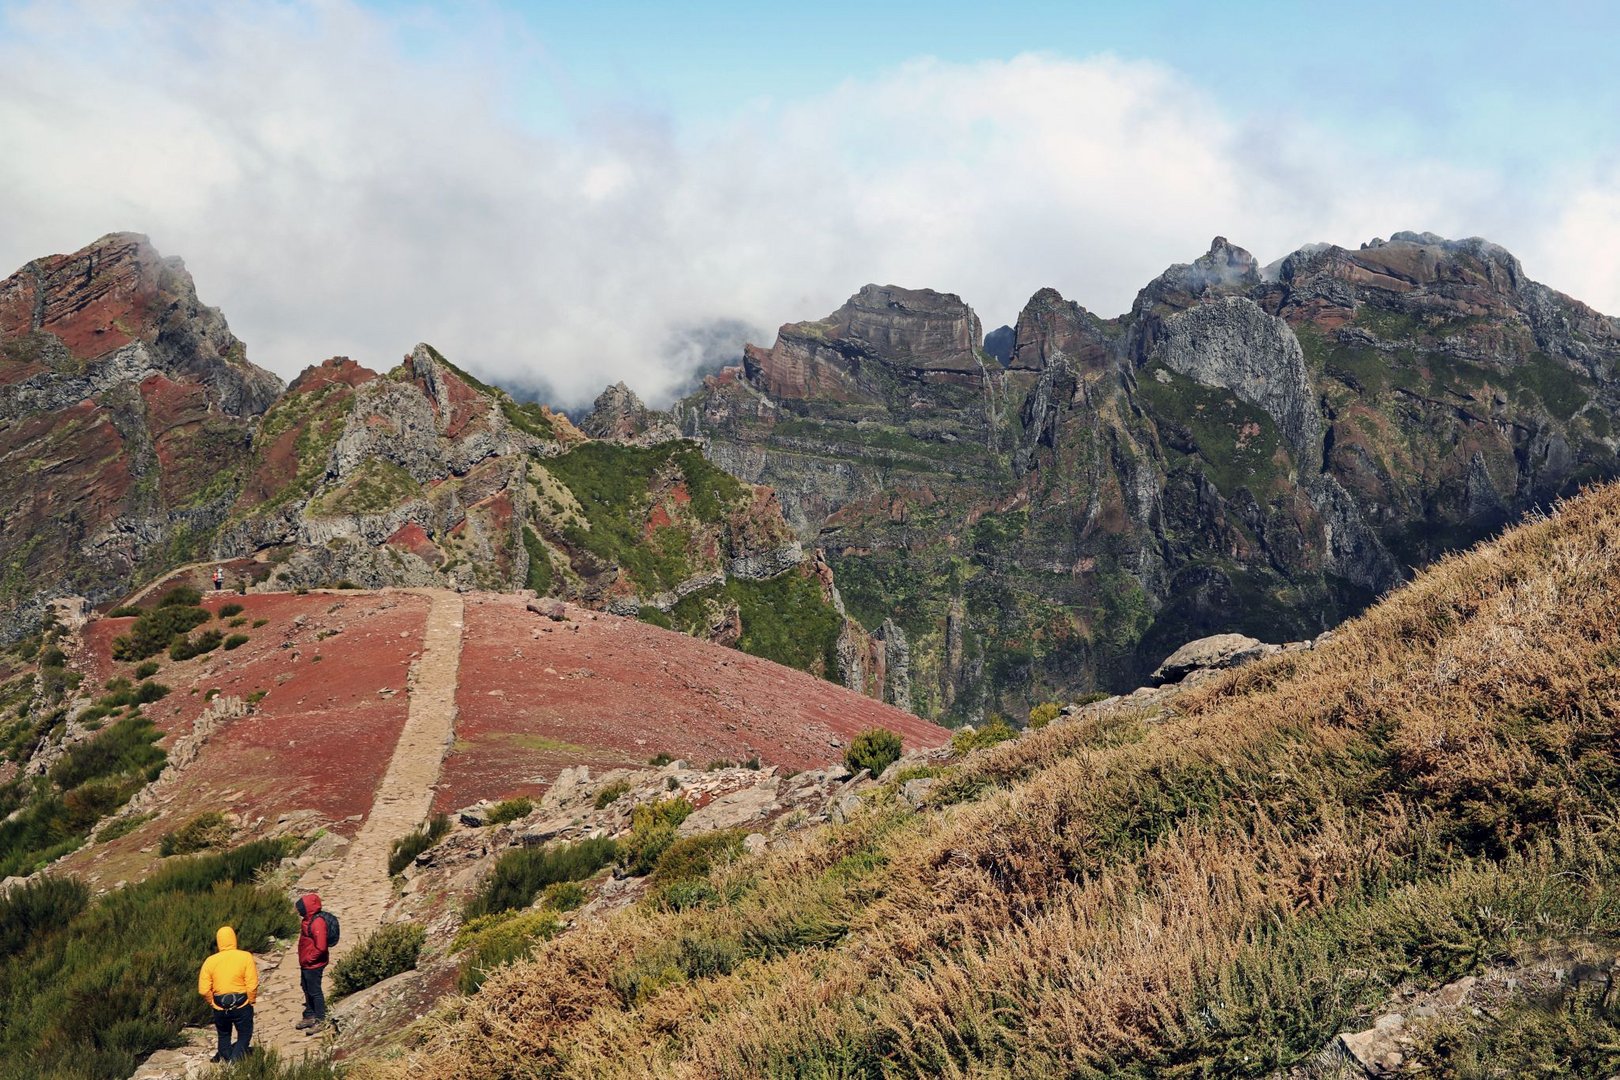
point(358, 887)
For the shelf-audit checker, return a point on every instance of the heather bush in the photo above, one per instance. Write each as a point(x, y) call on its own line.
point(206, 830)
point(873, 750)
point(184, 648)
point(412, 844)
point(509, 810)
point(652, 831)
point(520, 874)
point(1043, 714)
point(988, 734)
point(610, 794)
point(385, 953)
point(500, 939)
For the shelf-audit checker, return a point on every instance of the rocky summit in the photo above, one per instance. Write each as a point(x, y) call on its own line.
point(1258, 449)
point(126, 405)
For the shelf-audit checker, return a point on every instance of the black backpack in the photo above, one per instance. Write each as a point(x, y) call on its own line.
point(334, 928)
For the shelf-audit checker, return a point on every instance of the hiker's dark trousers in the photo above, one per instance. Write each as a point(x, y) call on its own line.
point(241, 1018)
point(314, 997)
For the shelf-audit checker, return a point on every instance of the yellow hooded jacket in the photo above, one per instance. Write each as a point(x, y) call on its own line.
point(229, 971)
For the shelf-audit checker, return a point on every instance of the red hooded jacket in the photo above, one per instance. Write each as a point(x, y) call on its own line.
point(312, 934)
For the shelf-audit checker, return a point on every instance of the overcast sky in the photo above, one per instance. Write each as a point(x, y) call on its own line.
point(562, 195)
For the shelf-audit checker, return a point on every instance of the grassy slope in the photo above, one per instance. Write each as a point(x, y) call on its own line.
point(1215, 895)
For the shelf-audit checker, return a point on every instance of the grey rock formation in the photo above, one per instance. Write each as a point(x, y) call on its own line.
point(1214, 652)
point(1231, 343)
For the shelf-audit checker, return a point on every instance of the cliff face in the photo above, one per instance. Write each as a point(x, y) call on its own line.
point(1253, 449)
point(125, 405)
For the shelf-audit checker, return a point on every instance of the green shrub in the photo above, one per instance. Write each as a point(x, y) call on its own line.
point(685, 865)
point(687, 894)
point(260, 622)
point(235, 641)
point(181, 596)
point(38, 908)
point(126, 747)
point(148, 692)
point(652, 831)
point(495, 940)
point(240, 620)
point(720, 763)
point(120, 827)
point(509, 810)
point(125, 612)
point(412, 844)
point(873, 750)
point(206, 830)
point(654, 617)
point(564, 896)
point(88, 998)
point(995, 731)
point(520, 874)
point(156, 630)
point(660, 760)
point(387, 952)
point(146, 669)
point(610, 794)
point(52, 656)
point(229, 610)
point(1043, 714)
point(187, 647)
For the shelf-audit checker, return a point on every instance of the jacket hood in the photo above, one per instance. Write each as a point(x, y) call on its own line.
point(225, 938)
point(309, 905)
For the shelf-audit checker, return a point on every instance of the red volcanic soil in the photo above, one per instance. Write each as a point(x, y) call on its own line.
point(535, 696)
point(538, 695)
point(321, 737)
point(413, 538)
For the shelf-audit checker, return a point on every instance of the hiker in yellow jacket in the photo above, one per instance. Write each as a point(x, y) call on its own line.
point(230, 982)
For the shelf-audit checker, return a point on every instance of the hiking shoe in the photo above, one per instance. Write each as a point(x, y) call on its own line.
point(306, 1023)
point(315, 1028)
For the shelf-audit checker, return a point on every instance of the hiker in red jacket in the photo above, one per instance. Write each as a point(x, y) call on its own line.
point(312, 962)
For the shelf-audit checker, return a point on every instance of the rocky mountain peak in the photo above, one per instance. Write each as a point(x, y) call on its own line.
point(618, 413)
point(1050, 328)
point(1224, 268)
point(114, 312)
point(916, 328)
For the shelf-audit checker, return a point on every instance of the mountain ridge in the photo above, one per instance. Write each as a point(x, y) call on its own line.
point(1250, 448)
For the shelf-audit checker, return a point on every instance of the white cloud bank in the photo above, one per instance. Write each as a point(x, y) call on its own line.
point(335, 192)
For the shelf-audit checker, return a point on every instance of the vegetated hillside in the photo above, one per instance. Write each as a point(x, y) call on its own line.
point(1215, 891)
point(126, 406)
point(1252, 449)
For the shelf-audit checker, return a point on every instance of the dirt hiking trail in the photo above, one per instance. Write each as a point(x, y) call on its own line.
point(357, 888)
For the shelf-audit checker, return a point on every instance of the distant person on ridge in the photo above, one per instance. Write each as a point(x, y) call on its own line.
point(219, 578)
point(229, 980)
point(312, 957)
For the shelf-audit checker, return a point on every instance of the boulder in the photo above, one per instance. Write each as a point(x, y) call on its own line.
point(1379, 1050)
point(1216, 651)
